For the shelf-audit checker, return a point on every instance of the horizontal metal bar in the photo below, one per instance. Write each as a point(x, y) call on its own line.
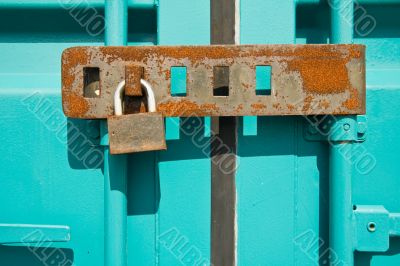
point(361, 2)
point(304, 79)
point(29, 233)
point(67, 4)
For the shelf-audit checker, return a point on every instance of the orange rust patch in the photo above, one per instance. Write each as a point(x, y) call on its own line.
point(353, 102)
point(74, 105)
point(324, 104)
point(291, 107)
point(72, 58)
point(322, 76)
point(345, 51)
point(307, 103)
point(357, 51)
point(258, 106)
point(133, 74)
point(239, 108)
point(186, 108)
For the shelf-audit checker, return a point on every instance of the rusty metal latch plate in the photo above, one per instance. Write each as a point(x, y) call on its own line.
point(305, 79)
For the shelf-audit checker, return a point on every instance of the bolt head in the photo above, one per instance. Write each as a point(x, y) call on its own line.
point(346, 126)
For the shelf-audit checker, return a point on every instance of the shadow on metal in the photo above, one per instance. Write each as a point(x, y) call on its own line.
point(365, 258)
point(36, 256)
point(83, 141)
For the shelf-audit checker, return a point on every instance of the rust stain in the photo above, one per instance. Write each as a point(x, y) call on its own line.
point(74, 105)
point(357, 51)
point(258, 106)
point(245, 85)
point(228, 52)
point(239, 108)
point(307, 103)
point(322, 76)
point(186, 108)
point(322, 68)
point(324, 104)
point(133, 74)
point(72, 58)
point(291, 107)
point(353, 102)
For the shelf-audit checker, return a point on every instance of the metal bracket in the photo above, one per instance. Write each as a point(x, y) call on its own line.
point(305, 79)
point(335, 128)
point(374, 225)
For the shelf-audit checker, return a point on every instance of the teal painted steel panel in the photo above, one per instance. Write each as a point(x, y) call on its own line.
point(42, 184)
point(267, 176)
point(185, 168)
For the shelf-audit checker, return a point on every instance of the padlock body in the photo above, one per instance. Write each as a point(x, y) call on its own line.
point(136, 133)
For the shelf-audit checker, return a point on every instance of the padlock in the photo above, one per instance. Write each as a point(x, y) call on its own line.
point(135, 132)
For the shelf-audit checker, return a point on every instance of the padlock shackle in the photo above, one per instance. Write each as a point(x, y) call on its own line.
point(151, 99)
point(119, 97)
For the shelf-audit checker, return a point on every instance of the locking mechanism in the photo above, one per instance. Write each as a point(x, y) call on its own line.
point(136, 132)
point(302, 80)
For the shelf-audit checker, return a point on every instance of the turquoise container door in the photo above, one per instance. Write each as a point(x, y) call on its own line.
point(52, 167)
